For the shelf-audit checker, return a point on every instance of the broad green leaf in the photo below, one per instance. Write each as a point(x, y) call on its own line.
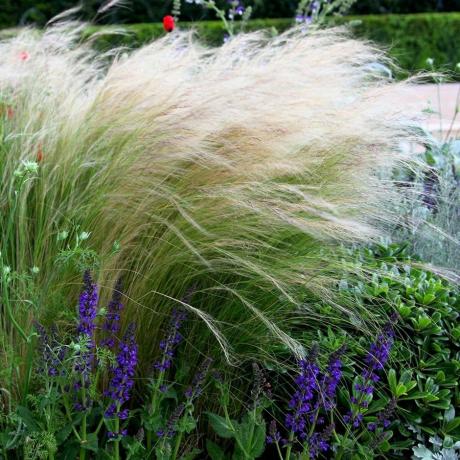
point(258, 441)
point(221, 426)
point(214, 451)
point(91, 442)
point(392, 381)
point(29, 419)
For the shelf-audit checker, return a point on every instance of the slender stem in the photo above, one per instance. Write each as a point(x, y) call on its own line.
point(69, 414)
point(152, 409)
point(83, 438)
point(177, 446)
point(99, 426)
point(10, 311)
point(451, 127)
point(280, 455)
point(237, 439)
point(221, 15)
point(117, 434)
point(439, 105)
point(289, 445)
point(83, 423)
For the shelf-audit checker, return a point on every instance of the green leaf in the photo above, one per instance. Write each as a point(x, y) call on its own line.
point(91, 442)
point(214, 451)
point(28, 419)
point(63, 433)
point(449, 414)
point(160, 454)
point(258, 441)
point(452, 425)
point(401, 390)
point(69, 451)
point(392, 381)
point(221, 426)
point(186, 424)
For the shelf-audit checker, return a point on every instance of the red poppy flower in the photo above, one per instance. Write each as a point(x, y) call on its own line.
point(168, 23)
point(23, 55)
point(9, 112)
point(39, 153)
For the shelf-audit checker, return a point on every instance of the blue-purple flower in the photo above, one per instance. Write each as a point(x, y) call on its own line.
point(375, 360)
point(196, 388)
point(51, 354)
point(87, 307)
point(169, 344)
point(274, 435)
point(122, 376)
point(319, 442)
point(84, 357)
point(171, 424)
point(301, 401)
point(331, 379)
point(112, 321)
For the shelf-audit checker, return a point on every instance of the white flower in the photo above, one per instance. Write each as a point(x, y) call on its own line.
point(430, 62)
point(84, 236)
point(6, 270)
point(62, 235)
point(35, 270)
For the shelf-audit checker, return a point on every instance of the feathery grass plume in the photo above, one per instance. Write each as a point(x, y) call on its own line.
point(237, 169)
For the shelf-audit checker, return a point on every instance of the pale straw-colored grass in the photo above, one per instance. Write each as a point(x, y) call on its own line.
point(237, 170)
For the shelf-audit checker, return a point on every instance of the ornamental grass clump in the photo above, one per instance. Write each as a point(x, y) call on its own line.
point(237, 170)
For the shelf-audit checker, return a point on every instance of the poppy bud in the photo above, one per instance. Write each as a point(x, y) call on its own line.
point(168, 23)
point(39, 153)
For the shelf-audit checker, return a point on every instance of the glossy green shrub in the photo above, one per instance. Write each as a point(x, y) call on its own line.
point(426, 362)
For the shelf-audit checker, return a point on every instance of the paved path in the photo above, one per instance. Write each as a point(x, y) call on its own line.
point(426, 96)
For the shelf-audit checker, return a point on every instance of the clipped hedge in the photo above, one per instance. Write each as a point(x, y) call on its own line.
point(411, 38)
point(415, 37)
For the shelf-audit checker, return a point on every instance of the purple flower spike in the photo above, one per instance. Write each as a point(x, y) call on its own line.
point(375, 361)
point(273, 433)
point(194, 390)
point(51, 354)
point(332, 378)
point(169, 344)
point(122, 376)
point(319, 442)
point(87, 308)
point(112, 321)
point(87, 311)
point(300, 403)
point(170, 429)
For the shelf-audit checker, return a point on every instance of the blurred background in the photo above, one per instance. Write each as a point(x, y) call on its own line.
point(20, 12)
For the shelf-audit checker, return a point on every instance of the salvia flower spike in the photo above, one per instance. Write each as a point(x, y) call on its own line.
point(111, 324)
point(122, 377)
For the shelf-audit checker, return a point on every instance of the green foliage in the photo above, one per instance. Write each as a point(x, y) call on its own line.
point(426, 362)
point(248, 433)
point(413, 38)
